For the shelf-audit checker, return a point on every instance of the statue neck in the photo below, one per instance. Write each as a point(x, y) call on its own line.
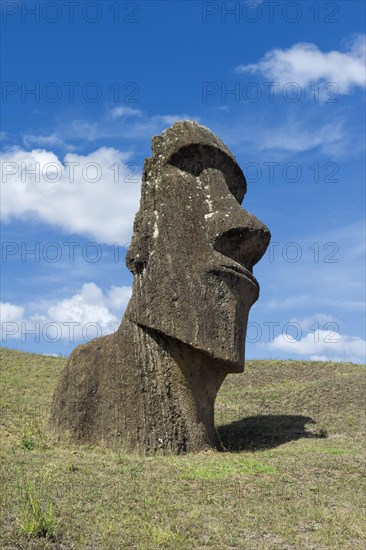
point(179, 386)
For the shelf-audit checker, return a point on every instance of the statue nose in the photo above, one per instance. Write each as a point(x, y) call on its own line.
point(244, 240)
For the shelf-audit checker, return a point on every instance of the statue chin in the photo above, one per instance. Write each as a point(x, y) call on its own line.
point(216, 328)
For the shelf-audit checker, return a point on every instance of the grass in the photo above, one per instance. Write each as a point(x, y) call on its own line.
point(37, 521)
point(292, 478)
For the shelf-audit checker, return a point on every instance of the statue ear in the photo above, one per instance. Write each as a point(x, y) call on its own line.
point(138, 253)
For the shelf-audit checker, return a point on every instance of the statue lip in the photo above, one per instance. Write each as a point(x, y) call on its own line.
point(240, 271)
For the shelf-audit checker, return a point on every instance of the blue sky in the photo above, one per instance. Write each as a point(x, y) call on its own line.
point(85, 87)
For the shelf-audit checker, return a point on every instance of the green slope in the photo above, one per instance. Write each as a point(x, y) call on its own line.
point(282, 485)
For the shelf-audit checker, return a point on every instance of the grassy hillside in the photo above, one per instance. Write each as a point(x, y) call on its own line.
point(291, 479)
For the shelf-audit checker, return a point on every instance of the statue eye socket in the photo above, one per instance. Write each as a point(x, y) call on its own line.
point(197, 157)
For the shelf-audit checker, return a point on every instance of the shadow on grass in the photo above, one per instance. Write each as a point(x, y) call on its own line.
point(264, 432)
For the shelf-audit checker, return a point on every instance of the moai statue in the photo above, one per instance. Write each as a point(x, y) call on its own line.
point(152, 385)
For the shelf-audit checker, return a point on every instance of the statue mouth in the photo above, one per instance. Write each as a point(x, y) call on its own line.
point(240, 248)
point(240, 271)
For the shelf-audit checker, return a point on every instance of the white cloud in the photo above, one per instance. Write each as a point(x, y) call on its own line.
point(155, 121)
point(294, 136)
point(304, 63)
point(332, 358)
point(321, 320)
point(52, 140)
point(87, 314)
point(10, 313)
point(81, 130)
point(117, 297)
point(170, 119)
point(87, 308)
point(94, 195)
point(117, 123)
point(297, 132)
point(119, 112)
point(137, 127)
point(320, 345)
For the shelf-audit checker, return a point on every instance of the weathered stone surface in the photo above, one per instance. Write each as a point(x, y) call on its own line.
point(152, 384)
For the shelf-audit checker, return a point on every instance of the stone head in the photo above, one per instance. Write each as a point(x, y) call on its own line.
point(194, 246)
